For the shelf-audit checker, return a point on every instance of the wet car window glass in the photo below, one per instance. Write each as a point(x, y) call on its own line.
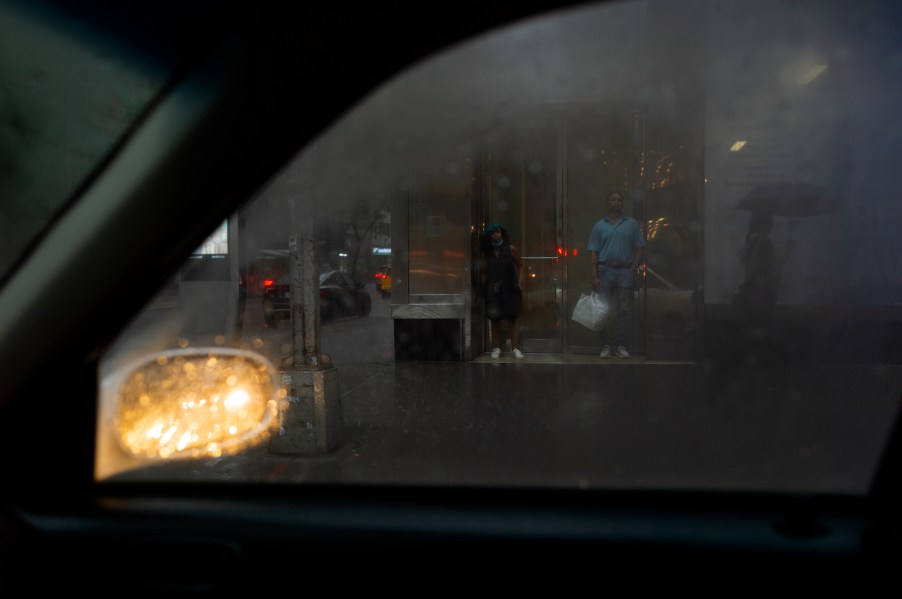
point(753, 144)
point(65, 100)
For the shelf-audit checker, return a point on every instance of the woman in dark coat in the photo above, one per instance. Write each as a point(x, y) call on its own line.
point(500, 266)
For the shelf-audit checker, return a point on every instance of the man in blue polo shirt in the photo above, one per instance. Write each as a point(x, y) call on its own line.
point(615, 246)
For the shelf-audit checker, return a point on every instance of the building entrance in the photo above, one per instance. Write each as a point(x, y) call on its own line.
point(522, 191)
point(545, 180)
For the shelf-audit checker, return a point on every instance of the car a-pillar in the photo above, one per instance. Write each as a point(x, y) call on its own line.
point(310, 414)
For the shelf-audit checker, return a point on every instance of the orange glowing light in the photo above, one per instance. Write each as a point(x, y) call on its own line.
point(195, 403)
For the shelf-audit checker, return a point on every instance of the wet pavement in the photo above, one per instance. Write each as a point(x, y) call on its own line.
point(573, 421)
point(600, 424)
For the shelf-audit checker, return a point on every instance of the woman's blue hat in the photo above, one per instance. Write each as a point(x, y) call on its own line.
point(491, 228)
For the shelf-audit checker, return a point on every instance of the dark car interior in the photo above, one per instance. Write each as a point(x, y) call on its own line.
point(270, 77)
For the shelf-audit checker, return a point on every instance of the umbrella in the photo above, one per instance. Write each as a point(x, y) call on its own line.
point(787, 199)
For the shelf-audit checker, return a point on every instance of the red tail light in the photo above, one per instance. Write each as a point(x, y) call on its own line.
point(267, 283)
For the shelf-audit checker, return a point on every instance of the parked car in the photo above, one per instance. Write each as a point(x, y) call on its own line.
point(668, 308)
point(339, 295)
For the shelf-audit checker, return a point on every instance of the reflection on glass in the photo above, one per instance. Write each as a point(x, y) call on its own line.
point(686, 108)
point(189, 403)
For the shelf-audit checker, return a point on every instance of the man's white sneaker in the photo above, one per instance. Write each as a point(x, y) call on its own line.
point(622, 353)
point(496, 353)
point(606, 351)
point(518, 353)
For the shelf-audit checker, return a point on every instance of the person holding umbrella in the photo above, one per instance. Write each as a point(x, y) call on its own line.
point(756, 297)
point(757, 294)
point(500, 268)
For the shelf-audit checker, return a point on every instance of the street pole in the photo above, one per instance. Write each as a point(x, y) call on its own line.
point(310, 413)
point(305, 317)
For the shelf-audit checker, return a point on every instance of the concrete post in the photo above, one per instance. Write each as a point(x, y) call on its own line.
point(310, 414)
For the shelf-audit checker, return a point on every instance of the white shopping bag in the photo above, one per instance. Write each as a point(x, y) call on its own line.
point(591, 311)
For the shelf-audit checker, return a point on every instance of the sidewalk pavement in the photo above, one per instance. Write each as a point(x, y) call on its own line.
point(588, 423)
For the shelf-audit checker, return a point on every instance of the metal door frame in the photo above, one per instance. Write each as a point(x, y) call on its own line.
point(637, 193)
point(484, 205)
point(556, 344)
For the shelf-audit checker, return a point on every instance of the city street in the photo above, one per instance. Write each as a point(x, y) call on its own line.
point(357, 346)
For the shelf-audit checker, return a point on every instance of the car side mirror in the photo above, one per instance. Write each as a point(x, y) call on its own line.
point(185, 404)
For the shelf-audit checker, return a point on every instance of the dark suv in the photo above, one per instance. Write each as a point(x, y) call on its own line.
point(339, 295)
